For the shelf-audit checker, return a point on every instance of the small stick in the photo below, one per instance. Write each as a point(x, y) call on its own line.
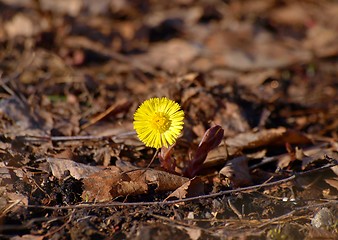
point(234, 209)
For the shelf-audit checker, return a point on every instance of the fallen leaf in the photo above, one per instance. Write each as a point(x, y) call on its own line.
point(28, 237)
point(166, 160)
point(69, 7)
point(217, 156)
point(266, 137)
point(194, 233)
point(308, 156)
point(335, 170)
point(232, 120)
point(20, 25)
point(76, 170)
point(170, 55)
point(321, 233)
point(322, 41)
point(28, 120)
point(333, 182)
point(237, 170)
point(293, 14)
point(114, 182)
point(193, 187)
point(244, 50)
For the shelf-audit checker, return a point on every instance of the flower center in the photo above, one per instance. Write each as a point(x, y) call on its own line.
point(161, 122)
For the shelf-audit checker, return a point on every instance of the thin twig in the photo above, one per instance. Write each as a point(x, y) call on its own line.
point(234, 209)
point(74, 138)
point(114, 107)
point(273, 220)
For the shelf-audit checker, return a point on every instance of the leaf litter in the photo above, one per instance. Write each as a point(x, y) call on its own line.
point(257, 81)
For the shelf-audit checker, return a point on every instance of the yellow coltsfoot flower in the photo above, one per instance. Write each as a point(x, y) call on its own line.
point(158, 122)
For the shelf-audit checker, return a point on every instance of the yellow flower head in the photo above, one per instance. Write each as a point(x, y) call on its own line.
point(158, 122)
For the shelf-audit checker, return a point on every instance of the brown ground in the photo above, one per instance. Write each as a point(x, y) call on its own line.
point(72, 73)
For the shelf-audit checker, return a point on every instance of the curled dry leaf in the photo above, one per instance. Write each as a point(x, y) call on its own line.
point(333, 182)
point(76, 170)
point(275, 136)
point(167, 162)
point(335, 170)
point(308, 156)
point(170, 55)
point(28, 120)
point(238, 172)
point(21, 25)
point(28, 237)
point(114, 182)
point(10, 200)
point(193, 187)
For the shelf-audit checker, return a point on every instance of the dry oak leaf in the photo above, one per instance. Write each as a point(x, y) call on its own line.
point(333, 182)
point(114, 182)
point(237, 170)
point(76, 170)
point(170, 55)
point(193, 187)
point(275, 136)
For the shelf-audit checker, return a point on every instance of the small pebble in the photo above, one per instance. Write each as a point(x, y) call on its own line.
point(323, 218)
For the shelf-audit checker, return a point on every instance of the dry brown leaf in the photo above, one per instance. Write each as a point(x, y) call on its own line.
point(322, 41)
point(317, 153)
point(70, 7)
point(320, 233)
point(243, 50)
point(253, 140)
point(217, 156)
point(97, 186)
point(28, 237)
point(307, 156)
point(284, 161)
point(194, 233)
point(28, 120)
point(256, 79)
point(20, 25)
point(76, 170)
point(65, 154)
point(113, 182)
point(170, 55)
point(237, 170)
point(11, 201)
point(333, 182)
point(292, 14)
point(335, 170)
point(5, 175)
point(276, 136)
point(231, 119)
point(193, 187)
